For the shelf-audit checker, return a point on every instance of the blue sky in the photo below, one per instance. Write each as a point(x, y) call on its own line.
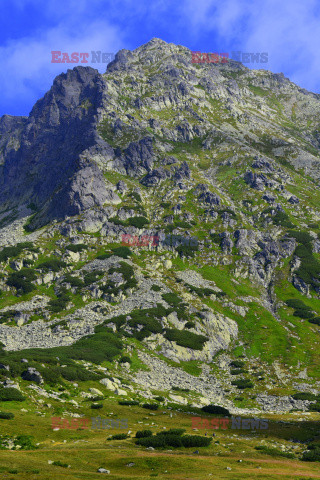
point(288, 31)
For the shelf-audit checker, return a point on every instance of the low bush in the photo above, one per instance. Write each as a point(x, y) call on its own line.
point(172, 298)
point(238, 371)
point(159, 398)
point(166, 439)
point(304, 396)
point(150, 406)
point(118, 436)
point(172, 431)
point(125, 359)
point(96, 406)
point(11, 394)
point(25, 442)
point(156, 288)
point(53, 264)
point(57, 463)
point(143, 433)
point(138, 222)
point(6, 415)
point(274, 451)
point(11, 252)
point(190, 324)
point(242, 383)
point(300, 309)
point(22, 280)
point(237, 364)
point(74, 281)
point(314, 407)
point(311, 455)
point(315, 320)
point(186, 339)
point(216, 410)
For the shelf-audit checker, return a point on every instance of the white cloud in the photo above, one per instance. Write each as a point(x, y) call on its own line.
point(26, 63)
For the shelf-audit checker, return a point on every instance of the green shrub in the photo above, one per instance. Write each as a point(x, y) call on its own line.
point(309, 269)
point(314, 407)
point(172, 298)
point(57, 463)
point(125, 359)
point(156, 288)
point(96, 406)
point(311, 455)
point(315, 320)
point(11, 394)
point(163, 440)
point(238, 371)
point(186, 339)
point(242, 383)
point(237, 364)
point(11, 252)
point(187, 250)
point(202, 292)
point(195, 441)
point(74, 281)
point(53, 264)
point(97, 398)
point(143, 433)
point(92, 277)
point(123, 252)
point(301, 237)
point(150, 406)
point(25, 442)
point(6, 415)
point(190, 324)
point(118, 436)
point(304, 396)
point(76, 373)
point(216, 410)
point(172, 431)
point(274, 451)
point(159, 398)
point(282, 219)
point(22, 280)
point(300, 309)
point(138, 222)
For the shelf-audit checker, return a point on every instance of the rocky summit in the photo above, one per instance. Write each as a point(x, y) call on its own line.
point(160, 237)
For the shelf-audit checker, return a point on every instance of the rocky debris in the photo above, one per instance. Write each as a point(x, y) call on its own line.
point(294, 200)
point(182, 172)
point(103, 470)
point(276, 404)
point(155, 177)
point(122, 187)
point(137, 159)
point(32, 375)
point(258, 181)
point(209, 198)
point(226, 242)
point(263, 164)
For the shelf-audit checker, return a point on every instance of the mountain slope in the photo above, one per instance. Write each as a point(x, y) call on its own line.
point(218, 162)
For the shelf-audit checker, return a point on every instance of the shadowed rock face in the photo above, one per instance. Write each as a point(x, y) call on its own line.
point(47, 156)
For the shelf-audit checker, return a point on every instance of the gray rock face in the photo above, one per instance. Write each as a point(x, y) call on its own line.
point(32, 375)
point(50, 163)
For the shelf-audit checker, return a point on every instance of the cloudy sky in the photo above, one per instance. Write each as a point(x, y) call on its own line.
point(289, 31)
